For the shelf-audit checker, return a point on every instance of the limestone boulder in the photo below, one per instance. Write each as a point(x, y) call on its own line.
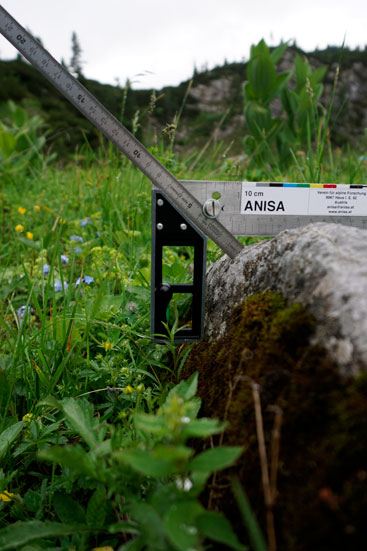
point(322, 266)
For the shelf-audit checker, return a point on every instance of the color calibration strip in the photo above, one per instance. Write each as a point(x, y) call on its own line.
point(284, 184)
point(264, 198)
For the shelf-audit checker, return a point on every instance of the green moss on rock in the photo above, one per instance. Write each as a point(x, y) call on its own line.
point(322, 477)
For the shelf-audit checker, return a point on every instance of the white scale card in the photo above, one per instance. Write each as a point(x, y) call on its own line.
point(304, 199)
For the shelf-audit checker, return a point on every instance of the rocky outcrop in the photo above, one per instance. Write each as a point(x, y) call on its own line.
point(321, 266)
point(223, 91)
point(288, 318)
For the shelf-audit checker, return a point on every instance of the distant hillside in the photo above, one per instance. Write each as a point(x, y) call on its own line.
point(213, 105)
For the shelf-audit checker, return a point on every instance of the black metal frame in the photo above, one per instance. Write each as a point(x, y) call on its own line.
point(171, 228)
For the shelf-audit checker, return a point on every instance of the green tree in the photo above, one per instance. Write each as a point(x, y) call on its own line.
point(76, 61)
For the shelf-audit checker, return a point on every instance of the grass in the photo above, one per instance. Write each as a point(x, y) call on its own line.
point(94, 419)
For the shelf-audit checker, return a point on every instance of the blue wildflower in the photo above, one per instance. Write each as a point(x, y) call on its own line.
point(22, 310)
point(86, 279)
point(58, 286)
point(77, 250)
point(64, 259)
point(85, 221)
point(46, 269)
point(77, 238)
point(98, 234)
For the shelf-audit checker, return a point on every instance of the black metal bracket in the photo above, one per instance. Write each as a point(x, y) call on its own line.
point(170, 228)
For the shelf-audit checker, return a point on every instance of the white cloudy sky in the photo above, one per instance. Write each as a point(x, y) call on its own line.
point(163, 40)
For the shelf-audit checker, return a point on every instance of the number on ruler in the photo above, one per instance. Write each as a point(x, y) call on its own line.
point(21, 39)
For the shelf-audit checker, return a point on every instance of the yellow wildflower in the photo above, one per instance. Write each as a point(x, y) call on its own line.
point(29, 235)
point(6, 496)
point(62, 220)
point(107, 346)
point(128, 389)
point(19, 228)
point(37, 208)
point(22, 210)
point(105, 548)
point(28, 417)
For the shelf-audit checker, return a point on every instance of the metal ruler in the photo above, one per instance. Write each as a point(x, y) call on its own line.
point(102, 119)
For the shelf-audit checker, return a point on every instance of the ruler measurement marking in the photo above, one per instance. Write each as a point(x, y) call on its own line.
point(100, 117)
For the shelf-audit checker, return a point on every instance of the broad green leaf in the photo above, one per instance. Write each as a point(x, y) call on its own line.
point(150, 423)
point(33, 501)
point(123, 526)
point(185, 389)
point(7, 143)
point(215, 459)
point(180, 524)
point(248, 93)
point(96, 508)
point(21, 533)
point(258, 119)
point(278, 52)
point(177, 454)
point(73, 457)
point(216, 527)
point(79, 414)
point(145, 463)
point(302, 71)
point(261, 74)
point(203, 427)
point(150, 524)
point(8, 436)
point(68, 510)
point(317, 75)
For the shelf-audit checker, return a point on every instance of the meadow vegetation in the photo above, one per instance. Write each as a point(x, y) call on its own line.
point(97, 427)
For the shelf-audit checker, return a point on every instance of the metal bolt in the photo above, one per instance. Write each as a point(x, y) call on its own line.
point(212, 208)
point(159, 226)
point(183, 226)
point(160, 202)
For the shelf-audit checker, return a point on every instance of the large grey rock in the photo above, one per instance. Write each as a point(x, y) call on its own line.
point(323, 266)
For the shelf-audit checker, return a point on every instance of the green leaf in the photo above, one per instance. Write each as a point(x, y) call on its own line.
point(180, 524)
point(216, 527)
point(96, 508)
point(203, 427)
point(185, 389)
point(8, 436)
point(73, 457)
point(302, 71)
point(261, 74)
point(79, 414)
point(145, 463)
point(150, 423)
point(68, 510)
point(5, 393)
point(178, 454)
point(215, 459)
point(256, 537)
point(33, 501)
point(123, 526)
point(258, 119)
point(278, 52)
point(21, 533)
point(150, 524)
point(317, 75)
